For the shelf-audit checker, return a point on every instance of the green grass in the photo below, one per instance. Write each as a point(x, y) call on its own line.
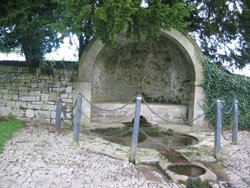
point(8, 125)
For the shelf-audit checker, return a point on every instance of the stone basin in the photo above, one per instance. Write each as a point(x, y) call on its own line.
point(183, 171)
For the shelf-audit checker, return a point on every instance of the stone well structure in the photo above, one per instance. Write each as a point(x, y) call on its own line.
point(167, 73)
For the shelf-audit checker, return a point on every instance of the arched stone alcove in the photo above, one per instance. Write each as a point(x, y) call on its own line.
point(168, 73)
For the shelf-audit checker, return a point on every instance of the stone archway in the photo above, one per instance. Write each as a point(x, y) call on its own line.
point(167, 72)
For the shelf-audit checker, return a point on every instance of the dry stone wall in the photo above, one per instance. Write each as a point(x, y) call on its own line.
point(33, 96)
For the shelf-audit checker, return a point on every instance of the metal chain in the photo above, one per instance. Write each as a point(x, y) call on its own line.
point(73, 106)
point(118, 135)
point(108, 110)
point(223, 131)
point(64, 114)
point(111, 121)
point(169, 121)
point(229, 111)
point(152, 111)
point(224, 136)
point(70, 126)
point(158, 143)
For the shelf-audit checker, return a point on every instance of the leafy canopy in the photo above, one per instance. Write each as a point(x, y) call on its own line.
point(221, 26)
point(104, 19)
point(223, 29)
point(25, 25)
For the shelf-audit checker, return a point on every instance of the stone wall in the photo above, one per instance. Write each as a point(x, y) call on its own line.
point(34, 95)
point(157, 70)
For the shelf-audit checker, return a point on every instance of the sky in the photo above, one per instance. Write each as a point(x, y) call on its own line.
point(69, 52)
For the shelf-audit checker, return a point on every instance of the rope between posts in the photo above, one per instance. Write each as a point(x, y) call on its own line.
point(108, 110)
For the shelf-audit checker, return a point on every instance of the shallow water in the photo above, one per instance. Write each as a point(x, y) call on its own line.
point(187, 170)
point(150, 137)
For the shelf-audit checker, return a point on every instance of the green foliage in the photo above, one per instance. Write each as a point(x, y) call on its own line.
point(8, 125)
point(54, 67)
point(218, 24)
point(105, 19)
point(26, 26)
point(220, 84)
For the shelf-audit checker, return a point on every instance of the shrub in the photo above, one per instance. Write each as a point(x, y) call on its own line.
point(220, 84)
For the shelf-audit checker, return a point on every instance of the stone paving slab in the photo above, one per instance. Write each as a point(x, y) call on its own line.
point(38, 156)
point(235, 162)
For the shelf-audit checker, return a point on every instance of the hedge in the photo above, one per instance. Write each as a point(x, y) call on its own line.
point(221, 84)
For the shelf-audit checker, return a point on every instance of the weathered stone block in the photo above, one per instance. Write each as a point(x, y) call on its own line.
point(53, 96)
point(30, 113)
point(38, 98)
point(35, 93)
point(2, 102)
point(64, 96)
point(15, 97)
point(34, 85)
point(7, 96)
point(35, 105)
point(13, 91)
point(52, 103)
point(69, 89)
point(21, 105)
point(11, 103)
point(20, 69)
point(42, 114)
point(43, 85)
point(40, 89)
point(44, 97)
point(4, 111)
point(48, 107)
point(4, 91)
point(15, 83)
point(67, 100)
point(28, 98)
point(53, 115)
point(18, 112)
point(58, 89)
point(24, 88)
point(53, 122)
point(23, 93)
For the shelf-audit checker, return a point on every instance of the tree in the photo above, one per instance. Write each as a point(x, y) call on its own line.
point(90, 19)
point(222, 27)
point(25, 25)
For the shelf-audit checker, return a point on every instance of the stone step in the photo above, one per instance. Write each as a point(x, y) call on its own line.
point(161, 112)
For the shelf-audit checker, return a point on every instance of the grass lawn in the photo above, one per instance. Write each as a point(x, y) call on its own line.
point(8, 125)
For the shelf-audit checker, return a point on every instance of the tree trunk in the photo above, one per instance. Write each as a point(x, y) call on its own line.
point(33, 55)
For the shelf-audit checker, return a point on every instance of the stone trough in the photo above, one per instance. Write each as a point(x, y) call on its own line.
point(183, 171)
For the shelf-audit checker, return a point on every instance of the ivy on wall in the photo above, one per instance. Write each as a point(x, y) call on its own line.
point(220, 84)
